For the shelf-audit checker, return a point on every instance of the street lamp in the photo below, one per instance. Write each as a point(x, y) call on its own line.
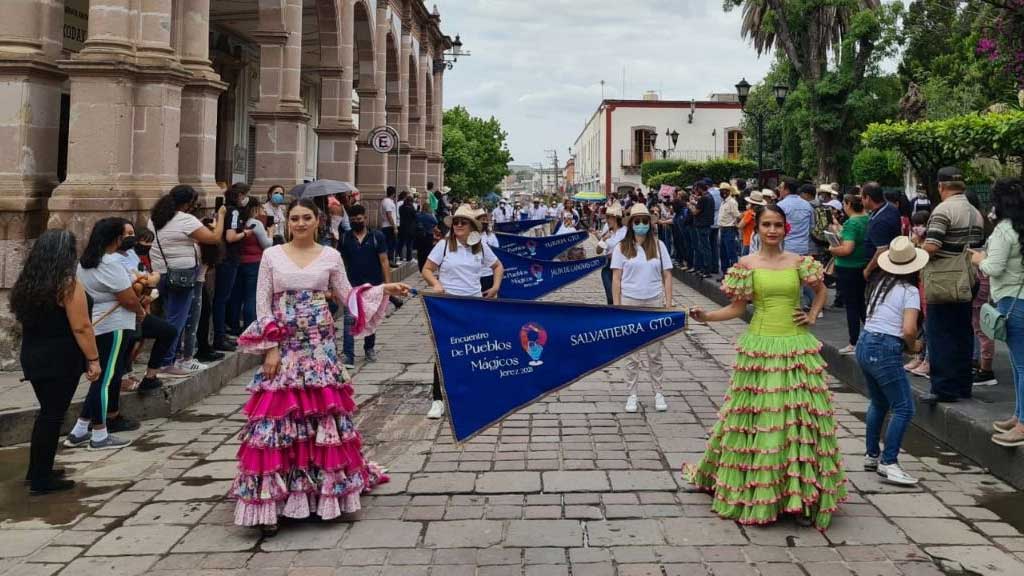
point(742, 93)
point(674, 136)
point(449, 58)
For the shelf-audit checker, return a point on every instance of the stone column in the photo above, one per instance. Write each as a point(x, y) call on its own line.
point(373, 166)
point(404, 53)
point(418, 128)
point(435, 162)
point(280, 118)
point(197, 153)
point(336, 153)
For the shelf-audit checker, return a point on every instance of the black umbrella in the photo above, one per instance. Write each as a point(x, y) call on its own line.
point(319, 188)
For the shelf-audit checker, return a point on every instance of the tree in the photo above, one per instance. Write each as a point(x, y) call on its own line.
point(830, 46)
point(476, 156)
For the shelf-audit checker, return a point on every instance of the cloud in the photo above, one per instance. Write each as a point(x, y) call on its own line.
point(537, 65)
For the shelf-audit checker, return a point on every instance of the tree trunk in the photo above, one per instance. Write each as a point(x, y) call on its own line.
point(826, 144)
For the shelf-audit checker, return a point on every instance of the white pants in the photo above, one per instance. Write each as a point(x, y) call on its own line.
point(651, 352)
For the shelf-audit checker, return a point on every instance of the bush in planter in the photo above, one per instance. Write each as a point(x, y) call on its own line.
point(655, 167)
point(689, 172)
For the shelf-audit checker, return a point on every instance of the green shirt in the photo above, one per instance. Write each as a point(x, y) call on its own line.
point(854, 231)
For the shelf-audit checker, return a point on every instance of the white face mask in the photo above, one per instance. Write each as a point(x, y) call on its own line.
point(243, 201)
point(473, 239)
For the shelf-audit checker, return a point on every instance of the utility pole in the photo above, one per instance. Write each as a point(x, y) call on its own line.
point(553, 154)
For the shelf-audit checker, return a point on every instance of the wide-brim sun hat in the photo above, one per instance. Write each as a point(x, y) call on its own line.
point(614, 210)
point(770, 194)
point(756, 198)
point(902, 257)
point(464, 211)
point(636, 211)
point(827, 189)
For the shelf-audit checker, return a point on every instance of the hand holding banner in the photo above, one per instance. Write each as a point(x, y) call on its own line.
point(524, 351)
point(517, 226)
point(529, 279)
point(543, 248)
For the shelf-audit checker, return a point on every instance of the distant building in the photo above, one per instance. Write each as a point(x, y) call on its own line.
point(623, 134)
point(569, 176)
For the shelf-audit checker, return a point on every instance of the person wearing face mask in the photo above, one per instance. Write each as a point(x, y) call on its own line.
point(610, 236)
point(642, 276)
point(275, 204)
point(236, 198)
point(365, 254)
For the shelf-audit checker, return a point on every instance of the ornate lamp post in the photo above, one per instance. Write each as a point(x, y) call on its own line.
point(743, 92)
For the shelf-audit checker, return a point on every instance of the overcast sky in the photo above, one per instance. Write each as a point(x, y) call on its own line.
point(537, 65)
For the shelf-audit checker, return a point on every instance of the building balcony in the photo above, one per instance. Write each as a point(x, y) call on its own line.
point(632, 159)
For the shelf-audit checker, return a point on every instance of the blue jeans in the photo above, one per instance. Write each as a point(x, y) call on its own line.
point(730, 247)
point(224, 284)
point(1015, 342)
point(391, 237)
point(248, 274)
point(177, 304)
point(703, 252)
point(881, 360)
point(950, 344)
point(349, 341)
point(691, 246)
point(188, 335)
point(713, 263)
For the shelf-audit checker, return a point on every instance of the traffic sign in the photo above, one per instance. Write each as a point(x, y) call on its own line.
point(383, 140)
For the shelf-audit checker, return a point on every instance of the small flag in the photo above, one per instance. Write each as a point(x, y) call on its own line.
point(543, 248)
point(529, 278)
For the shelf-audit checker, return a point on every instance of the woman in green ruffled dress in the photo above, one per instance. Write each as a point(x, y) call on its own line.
point(773, 450)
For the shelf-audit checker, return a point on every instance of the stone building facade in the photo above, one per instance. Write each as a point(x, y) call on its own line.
point(107, 104)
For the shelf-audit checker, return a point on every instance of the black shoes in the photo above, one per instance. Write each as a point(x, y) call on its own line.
point(55, 473)
point(224, 346)
point(51, 484)
point(146, 385)
point(207, 356)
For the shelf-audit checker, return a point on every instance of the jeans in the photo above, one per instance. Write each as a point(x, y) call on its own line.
point(606, 280)
point(54, 396)
point(390, 236)
point(188, 335)
point(348, 341)
point(950, 344)
point(202, 334)
point(227, 271)
point(649, 356)
point(881, 360)
point(703, 251)
point(405, 245)
point(248, 274)
point(852, 286)
point(691, 246)
point(713, 253)
point(679, 242)
point(1015, 342)
point(177, 304)
point(435, 388)
point(97, 400)
point(730, 247)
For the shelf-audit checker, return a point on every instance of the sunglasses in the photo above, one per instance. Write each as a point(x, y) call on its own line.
point(460, 222)
point(641, 221)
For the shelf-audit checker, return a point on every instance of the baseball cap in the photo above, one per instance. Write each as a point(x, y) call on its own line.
point(951, 174)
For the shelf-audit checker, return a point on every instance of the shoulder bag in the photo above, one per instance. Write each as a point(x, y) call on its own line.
point(993, 323)
point(179, 278)
point(950, 280)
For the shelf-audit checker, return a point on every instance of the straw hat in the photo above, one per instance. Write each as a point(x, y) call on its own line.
point(902, 257)
point(614, 210)
point(464, 211)
point(727, 186)
point(827, 189)
point(769, 194)
point(756, 198)
point(637, 210)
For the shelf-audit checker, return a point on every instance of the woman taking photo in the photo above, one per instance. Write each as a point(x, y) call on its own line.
point(850, 260)
point(777, 394)
point(249, 257)
point(893, 318)
point(53, 311)
point(609, 238)
point(642, 276)
point(1001, 262)
point(115, 309)
point(453, 268)
point(300, 452)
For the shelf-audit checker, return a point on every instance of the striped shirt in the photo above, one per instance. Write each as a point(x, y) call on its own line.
point(954, 225)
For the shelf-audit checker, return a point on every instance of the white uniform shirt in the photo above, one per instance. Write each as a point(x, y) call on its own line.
point(490, 239)
point(641, 278)
point(460, 268)
point(388, 205)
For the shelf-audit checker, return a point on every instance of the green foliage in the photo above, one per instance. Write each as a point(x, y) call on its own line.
point(656, 180)
point(681, 173)
point(476, 156)
point(653, 167)
point(882, 166)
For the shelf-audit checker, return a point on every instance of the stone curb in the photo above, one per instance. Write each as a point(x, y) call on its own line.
point(173, 397)
point(964, 426)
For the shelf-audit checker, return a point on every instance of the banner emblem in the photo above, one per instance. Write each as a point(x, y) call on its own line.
point(543, 248)
point(533, 337)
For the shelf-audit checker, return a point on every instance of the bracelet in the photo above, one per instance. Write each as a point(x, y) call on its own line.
point(96, 359)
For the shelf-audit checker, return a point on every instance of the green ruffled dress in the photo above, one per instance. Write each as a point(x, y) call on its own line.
point(774, 447)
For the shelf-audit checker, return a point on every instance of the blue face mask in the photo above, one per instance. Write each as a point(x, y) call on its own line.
point(641, 229)
point(277, 198)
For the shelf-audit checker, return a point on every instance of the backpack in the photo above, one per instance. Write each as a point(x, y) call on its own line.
point(822, 220)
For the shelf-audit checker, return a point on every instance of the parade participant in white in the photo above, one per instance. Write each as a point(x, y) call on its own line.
point(488, 238)
point(641, 276)
point(610, 236)
point(453, 267)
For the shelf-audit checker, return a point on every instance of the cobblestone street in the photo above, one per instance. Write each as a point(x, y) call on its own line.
point(571, 485)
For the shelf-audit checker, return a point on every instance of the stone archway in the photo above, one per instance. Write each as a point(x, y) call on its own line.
point(369, 169)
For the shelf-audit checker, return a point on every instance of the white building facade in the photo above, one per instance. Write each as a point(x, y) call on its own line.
point(623, 134)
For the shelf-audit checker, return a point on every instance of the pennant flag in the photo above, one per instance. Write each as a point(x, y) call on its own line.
point(517, 226)
point(498, 356)
point(543, 248)
point(529, 279)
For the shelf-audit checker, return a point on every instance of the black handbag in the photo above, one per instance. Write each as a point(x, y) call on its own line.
point(179, 278)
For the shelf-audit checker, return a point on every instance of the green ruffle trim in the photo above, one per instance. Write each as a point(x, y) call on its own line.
point(811, 271)
point(738, 283)
point(774, 449)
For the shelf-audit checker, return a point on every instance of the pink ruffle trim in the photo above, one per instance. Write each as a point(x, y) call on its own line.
point(368, 304)
point(262, 335)
point(275, 404)
point(300, 454)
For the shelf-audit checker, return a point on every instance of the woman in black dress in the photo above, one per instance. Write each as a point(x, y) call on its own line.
point(53, 310)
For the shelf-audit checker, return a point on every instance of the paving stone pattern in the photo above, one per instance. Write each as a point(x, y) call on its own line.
point(571, 485)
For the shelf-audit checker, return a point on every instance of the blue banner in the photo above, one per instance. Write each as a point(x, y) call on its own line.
point(529, 279)
point(517, 226)
point(543, 248)
point(498, 356)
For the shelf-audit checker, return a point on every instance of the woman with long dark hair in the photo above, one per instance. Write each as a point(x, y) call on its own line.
point(1001, 261)
point(753, 466)
point(608, 239)
point(115, 309)
point(52, 308)
point(232, 231)
point(250, 254)
point(300, 454)
point(850, 260)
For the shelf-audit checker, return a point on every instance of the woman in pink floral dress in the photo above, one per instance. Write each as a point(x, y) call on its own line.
point(301, 453)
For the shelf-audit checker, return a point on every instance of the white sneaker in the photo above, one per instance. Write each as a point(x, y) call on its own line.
point(192, 365)
point(870, 463)
point(631, 403)
point(893, 474)
point(436, 410)
point(848, 350)
point(659, 402)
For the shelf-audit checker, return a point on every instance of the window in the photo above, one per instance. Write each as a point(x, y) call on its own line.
point(734, 143)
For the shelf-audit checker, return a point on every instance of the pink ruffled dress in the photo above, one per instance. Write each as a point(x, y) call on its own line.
point(301, 453)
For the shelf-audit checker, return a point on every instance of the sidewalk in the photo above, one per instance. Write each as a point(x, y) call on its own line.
point(18, 406)
point(964, 425)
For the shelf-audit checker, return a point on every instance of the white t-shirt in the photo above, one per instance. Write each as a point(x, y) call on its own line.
point(615, 239)
point(460, 268)
point(539, 213)
point(888, 315)
point(490, 239)
point(179, 249)
point(566, 230)
point(641, 278)
point(103, 283)
point(388, 205)
point(501, 214)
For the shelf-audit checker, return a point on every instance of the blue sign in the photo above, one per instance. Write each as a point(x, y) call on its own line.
point(498, 356)
point(543, 248)
point(517, 226)
point(529, 279)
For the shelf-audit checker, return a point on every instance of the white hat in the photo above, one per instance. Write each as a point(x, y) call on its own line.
point(637, 210)
point(756, 198)
point(827, 189)
point(902, 257)
point(614, 210)
point(464, 211)
point(767, 193)
point(445, 189)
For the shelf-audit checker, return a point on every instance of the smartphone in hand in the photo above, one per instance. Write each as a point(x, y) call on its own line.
point(217, 203)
